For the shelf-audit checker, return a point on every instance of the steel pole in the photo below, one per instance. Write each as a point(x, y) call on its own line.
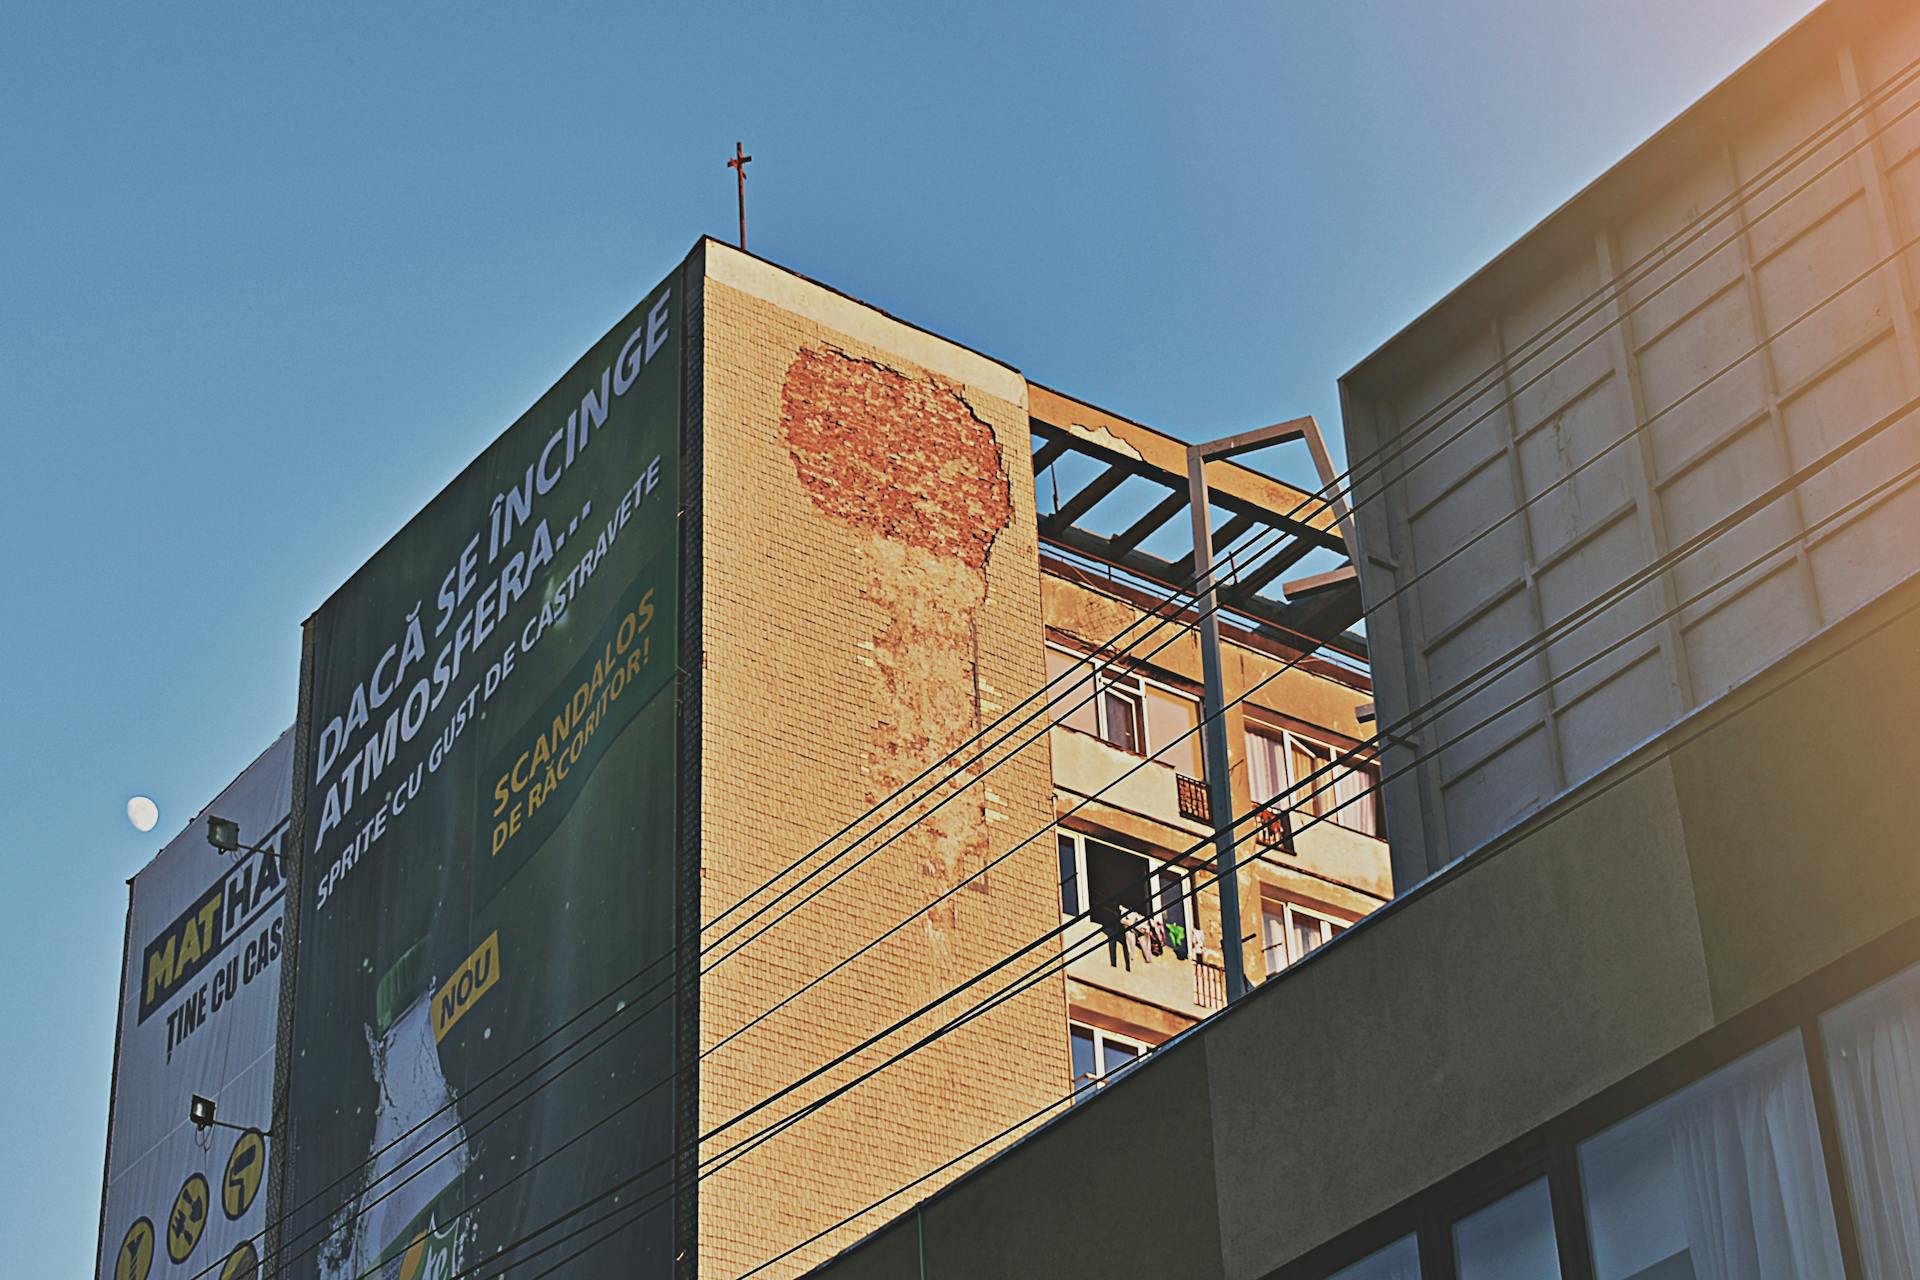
point(1213, 733)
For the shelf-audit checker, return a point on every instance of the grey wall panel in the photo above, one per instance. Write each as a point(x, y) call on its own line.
point(1454, 1023)
point(1124, 1185)
point(891, 1253)
point(1721, 311)
point(1798, 808)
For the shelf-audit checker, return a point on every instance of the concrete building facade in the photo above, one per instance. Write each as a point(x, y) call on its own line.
point(1701, 367)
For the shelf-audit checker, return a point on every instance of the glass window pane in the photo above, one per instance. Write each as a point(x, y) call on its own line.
point(1169, 716)
point(1121, 708)
point(1355, 798)
point(1070, 683)
point(1273, 936)
point(1398, 1261)
point(1873, 1053)
point(1306, 934)
point(1723, 1178)
point(1116, 1056)
point(1309, 789)
point(1510, 1239)
point(1171, 898)
point(1264, 773)
point(1116, 879)
point(1069, 878)
point(1085, 1072)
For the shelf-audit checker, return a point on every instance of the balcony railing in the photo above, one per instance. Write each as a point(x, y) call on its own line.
point(1209, 984)
point(1193, 798)
point(1270, 827)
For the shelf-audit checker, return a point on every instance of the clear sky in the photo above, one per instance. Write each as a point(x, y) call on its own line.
point(270, 274)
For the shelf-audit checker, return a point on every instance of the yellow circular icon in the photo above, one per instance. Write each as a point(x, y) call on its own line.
point(245, 1168)
point(242, 1264)
point(135, 1258)
point(189, 1217)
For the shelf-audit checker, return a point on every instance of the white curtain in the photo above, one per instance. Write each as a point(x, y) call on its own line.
point(1351, 793)
point(1873, 1051)
point(1752, 1178)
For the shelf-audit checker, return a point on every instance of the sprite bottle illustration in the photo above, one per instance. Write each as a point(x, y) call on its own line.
point(409, 1226)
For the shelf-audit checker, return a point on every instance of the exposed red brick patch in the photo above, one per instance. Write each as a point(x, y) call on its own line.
point(902, 457)
point(903, 460)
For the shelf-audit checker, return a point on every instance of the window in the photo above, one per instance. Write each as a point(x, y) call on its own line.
point(1510, 1239)
point(1273, 936)
point(1314, 779)
point(1723, 1178)
point(1168, 888)
point(1125, 710)
point(1070, 699)
point(1100, 1057)
point(1309, 776)
point(1289, 933)
point(1309, 932)
point(1123, 715)
point(1873, 1057)
point(1096, 876)
point(1173, 721)
point(1070, 876)
point(1143, 904)
point(1098, 699)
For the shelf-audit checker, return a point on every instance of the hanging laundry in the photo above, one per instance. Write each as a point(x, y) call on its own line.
point(1157, 936)
point(1177, 939)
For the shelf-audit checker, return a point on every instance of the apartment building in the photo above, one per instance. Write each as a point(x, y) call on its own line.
point(1129, 776)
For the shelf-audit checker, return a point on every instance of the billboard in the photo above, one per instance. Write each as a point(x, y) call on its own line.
point(488, 835)
point(199, 1002)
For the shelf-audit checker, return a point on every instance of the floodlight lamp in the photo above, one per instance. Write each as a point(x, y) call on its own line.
point(223, 834)
point(200, 1111)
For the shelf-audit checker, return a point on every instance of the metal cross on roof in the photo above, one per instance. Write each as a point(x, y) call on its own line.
point(739, 165)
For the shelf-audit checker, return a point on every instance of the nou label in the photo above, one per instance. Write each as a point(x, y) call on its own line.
point(463, 990)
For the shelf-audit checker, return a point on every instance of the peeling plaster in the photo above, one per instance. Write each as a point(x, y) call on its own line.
point(903, 459)
point(1104, 438)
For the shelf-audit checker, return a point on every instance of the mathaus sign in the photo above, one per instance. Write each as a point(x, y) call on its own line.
point(199, 1003)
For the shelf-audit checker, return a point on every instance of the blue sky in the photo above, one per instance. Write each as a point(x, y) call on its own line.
point(269, 275)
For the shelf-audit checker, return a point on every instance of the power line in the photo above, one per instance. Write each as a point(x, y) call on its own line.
point(1681, 552)
point(1091, 679)
point(1600, 788)
point(1689, 230)
point(989, 749)
point(1756, 505)
point(739, 1150)
point(481, 1107)
point(1897, 480)
point(1702, 223)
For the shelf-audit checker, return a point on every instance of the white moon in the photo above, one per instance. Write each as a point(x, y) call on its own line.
point(142, 813)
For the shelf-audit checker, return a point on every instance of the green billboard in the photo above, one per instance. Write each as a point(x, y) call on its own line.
point(488, 851)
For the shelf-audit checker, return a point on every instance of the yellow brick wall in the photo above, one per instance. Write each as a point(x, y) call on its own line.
point(849, 642)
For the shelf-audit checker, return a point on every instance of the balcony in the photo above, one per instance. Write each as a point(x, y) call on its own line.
point(1083, 765)
point(1326, 849)
point(1190, 987)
